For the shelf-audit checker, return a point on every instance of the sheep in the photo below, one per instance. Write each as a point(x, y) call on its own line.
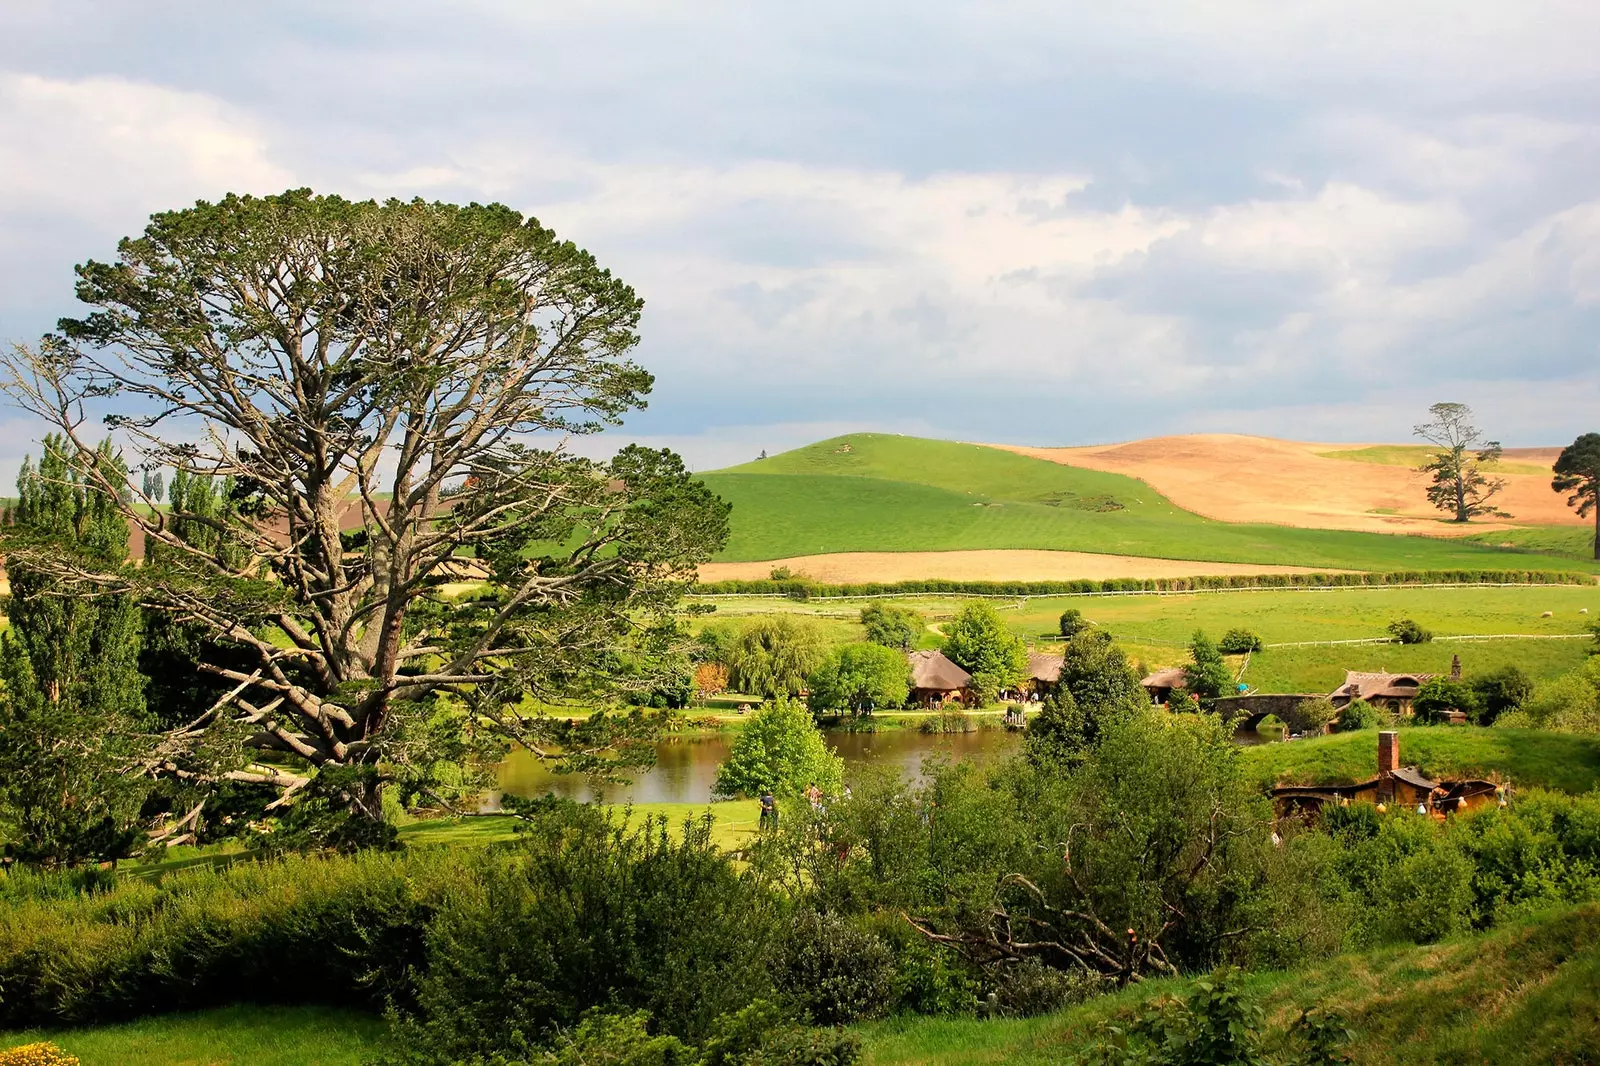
point(1548, 614)
point(1583, 610)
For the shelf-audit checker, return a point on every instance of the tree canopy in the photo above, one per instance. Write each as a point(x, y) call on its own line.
point(1459, 485)
point(977, 641)
point(779, 749)
point(1577, 471)
point(893, 627)
point(383, 389)
point(775, 655)
point(860, 678)
point(1207, 676)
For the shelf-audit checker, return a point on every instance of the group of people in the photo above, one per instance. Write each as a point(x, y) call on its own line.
point(769, 804)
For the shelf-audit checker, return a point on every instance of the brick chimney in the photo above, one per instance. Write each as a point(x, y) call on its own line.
point(1455, 668)
point(1388, 753)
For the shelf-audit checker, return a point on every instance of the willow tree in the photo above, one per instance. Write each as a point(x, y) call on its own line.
point(387, 391)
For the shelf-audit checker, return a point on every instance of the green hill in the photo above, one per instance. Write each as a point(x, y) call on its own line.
point(875, 492)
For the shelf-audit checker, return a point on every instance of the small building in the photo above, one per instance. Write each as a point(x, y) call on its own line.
point(1392, 692)
point(1044, 674)
point(1394, 784)
point(1161, 683)
point(935, 680)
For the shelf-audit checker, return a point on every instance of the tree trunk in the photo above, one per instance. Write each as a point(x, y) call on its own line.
point(1597, 526)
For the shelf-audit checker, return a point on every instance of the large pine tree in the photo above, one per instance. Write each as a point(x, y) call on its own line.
point(72, 714)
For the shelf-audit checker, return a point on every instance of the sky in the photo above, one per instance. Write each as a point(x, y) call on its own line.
point(1044, 223)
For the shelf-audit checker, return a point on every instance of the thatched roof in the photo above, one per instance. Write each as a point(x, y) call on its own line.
point(1171, 677)
point(1042, 667)
point(931, 670)
point(1376, 685)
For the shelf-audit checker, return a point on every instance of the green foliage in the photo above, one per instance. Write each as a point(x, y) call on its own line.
point(1071, 623)
point(834, 971)
point(1215, 1025)
point(778, 750)
point(1239, 642)
point(1207, 676)
point(1577, 473)
point(72, 706)
point(1358, 714)
point(1439, 696)
point(1569, 704)
point(860, 678)
point(1406, 631)
point(775, 655)
point(1096, 672)
point(1499, 691)
point(892, 627)
point(978, 641)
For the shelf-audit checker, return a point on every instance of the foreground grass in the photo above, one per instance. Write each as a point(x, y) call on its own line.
point(873, 492)
point(228, 1036)
point(1529, 758)
point(1526, 993)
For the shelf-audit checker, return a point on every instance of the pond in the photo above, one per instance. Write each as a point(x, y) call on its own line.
point(686, 766)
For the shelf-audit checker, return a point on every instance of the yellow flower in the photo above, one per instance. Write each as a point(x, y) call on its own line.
point(41, 1054)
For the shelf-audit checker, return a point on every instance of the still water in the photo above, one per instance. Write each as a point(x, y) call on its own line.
point(686, 766)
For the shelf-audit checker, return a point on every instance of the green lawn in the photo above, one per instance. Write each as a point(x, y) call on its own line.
point(733, 824)
point(889, 493)
point(228, 1036)
point(1523, 995)
point(1530, 758)
point(1414, 455)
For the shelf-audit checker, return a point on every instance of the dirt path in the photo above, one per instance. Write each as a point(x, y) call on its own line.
point(987, 565)
point(1237, 478)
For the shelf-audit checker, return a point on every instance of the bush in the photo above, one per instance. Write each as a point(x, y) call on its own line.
point(1438, 697)
point(1072, 623)
point(1310, 715)
point(1406, 631)
point(1500, 691)
point(1239, 642)
point(1030, 988)
point(892, 627)
point(1358, 714)
point(42, 1054)
point(779, 749)
point(836, 972)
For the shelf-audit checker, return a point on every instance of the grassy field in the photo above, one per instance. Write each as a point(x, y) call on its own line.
point(228, 1036)
point(1155, 630)
point(1529, 758)
point(871, 492)
point(1414, 455)
point(1524, 994)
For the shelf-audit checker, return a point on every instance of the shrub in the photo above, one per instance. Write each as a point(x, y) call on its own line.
point(1310, 715)
point(1214, 1024)
point(1406, 631)
point(42, 1054)
point(1438, 697)
point(892, 627)
point(836, 972)
point(1031, 988)
point(1358, 714)
point(779, 749)
point(761, 1035)
point(1072, 623)
point(1500, 691)
point(1239, 642)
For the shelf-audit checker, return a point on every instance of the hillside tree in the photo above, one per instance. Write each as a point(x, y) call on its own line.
point(1460, 486)
point(386, 390)
point(1577, 471)
point(72, 707)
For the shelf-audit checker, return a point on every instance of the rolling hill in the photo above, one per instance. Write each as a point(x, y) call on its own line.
point(884, 493)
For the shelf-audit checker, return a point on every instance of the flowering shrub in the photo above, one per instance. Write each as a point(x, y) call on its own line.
point(41, 1054)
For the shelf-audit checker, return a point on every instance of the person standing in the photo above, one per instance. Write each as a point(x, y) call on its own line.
point(769, 810)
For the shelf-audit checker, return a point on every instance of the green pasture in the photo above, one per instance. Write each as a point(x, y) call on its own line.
point(1576, 541)
point(1529, 758)
point(1414, 455)
point(889, 493)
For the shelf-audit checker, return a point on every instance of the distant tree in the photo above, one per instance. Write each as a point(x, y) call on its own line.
point(1206, 676)
point(977, 641)
point(1459, 484)
point(1309, 716)
point(1072, 623)
point(710, 679)
point(1577, 471)
point(860, 678)
point(1499, 691)
point(892, 627)
point(1096, 672)
point(780, 749)
point(1239, 642)
point(73, 724)
point(714, 642)
point(1406, 631)
point(1182, 701)
point(1439, 696)
point(763, 454)
point(775, 655)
